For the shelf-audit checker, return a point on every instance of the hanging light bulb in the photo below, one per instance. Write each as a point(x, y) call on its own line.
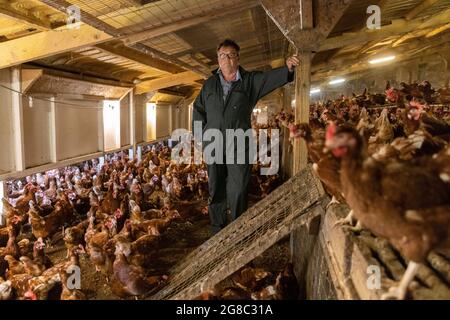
point(30, 101)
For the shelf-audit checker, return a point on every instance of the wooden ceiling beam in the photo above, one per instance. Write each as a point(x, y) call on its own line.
point(397, 27)
point(349, 63)
point(89, 19)
point(166, 82)
point(139, 3)
point(188, 22)
point(436, 31)
point(419, 9)
point(25, 49)
point(23, 15)
point(200, 62)
point(408, 48)
point(241, 39)
point(133, 55)
point(29, 77)
point(48, 84)
point(48, 43)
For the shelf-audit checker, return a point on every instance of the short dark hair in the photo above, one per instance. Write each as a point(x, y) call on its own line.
point(229, 43)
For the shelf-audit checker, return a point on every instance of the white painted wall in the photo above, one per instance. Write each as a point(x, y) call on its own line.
point(36, 123)
point(111, 124)
point(2, 194)
point(77, 128)
point(150, 125)
point(6, 128)
point(125, 121)
point(162, 121)
point(139, 119)
point(175, 117)
point(184, 117)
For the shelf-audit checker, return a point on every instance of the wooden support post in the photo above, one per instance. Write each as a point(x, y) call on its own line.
point(17, 114)
point(303, 86)
point(302, 92)
point(53, 134)
point(286, 155)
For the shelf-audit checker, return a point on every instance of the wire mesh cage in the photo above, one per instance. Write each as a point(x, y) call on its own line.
point(249, 236)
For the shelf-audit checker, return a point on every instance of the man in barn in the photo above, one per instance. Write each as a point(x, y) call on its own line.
point(226, 101)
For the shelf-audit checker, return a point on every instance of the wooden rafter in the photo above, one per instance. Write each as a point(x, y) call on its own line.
point(420, 8)
point(188, 22)
point(361, 26)
point(94, 22)
point(436, 31)
point(48, 43)
point(108, 33)
point(396, 28)
point(120, 50)
point(48, 84)
point(437, 22)
point(29, 77)
point(241, 39)
point(24, 15)
point(199, 62)
point(166, 82)
point(139, 3)
point(352, 63)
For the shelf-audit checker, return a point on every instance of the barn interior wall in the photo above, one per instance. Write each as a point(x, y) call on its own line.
point(6, 125)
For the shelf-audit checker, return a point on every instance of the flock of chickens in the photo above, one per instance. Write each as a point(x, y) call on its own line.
point(388, 157)
point(113, 214)
point(253, 283)
point(105, 212)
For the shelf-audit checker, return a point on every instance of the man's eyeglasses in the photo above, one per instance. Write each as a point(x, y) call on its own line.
point(231, 55)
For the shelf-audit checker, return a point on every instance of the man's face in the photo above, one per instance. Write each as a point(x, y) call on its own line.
point(228, 59)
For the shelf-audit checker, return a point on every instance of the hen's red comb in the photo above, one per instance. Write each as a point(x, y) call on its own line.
point(416, 104)
point(331, 130)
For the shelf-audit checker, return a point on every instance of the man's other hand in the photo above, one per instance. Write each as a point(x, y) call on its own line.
point(292, 62)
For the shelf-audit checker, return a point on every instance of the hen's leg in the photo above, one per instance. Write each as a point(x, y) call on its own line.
point(357, 227)
point(399, 292)
point(348, 220)
point(333, 201)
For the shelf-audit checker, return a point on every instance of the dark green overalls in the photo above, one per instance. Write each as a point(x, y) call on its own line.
point(230, 181)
